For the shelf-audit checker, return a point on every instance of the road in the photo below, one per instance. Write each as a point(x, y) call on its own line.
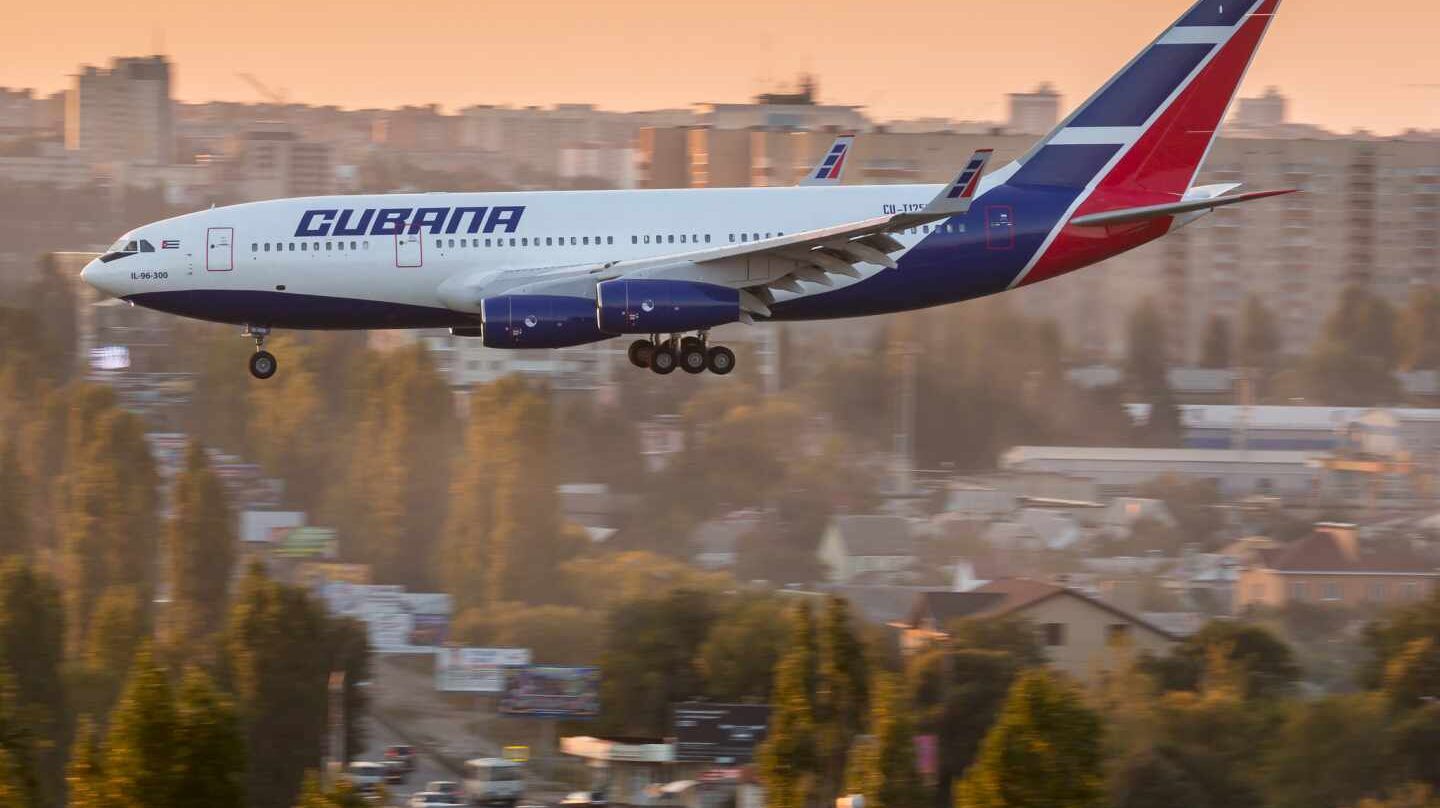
point(427, 768)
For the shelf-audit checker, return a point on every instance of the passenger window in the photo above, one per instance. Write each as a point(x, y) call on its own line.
point(744, 237)
point(756, 236)
point(647, 239)
point(572, 241)
point(292, 247)
point(549, 242)
point(524, 241)
point(267, 246)
point(707, 238)
point(367, 244)
point(609, 239)
point(352, 245)
point(512, 242)
point(339, 245)
point(767, 235)
point(304, 245)
point(634, 239)
point(439, 242)
point(585, 241)
point(254, 246)
point(328, 246)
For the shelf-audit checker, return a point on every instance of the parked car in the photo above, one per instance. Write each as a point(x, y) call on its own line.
point(403, 753)
point(395, 772)
point(434, 799)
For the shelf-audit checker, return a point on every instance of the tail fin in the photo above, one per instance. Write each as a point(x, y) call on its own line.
point(1149, 128)
point(832, 166)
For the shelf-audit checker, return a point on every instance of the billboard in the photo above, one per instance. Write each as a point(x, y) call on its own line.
point(398, 622)
point(304, 542)
point(476, 670)
point(717, 733)
point(553, 691)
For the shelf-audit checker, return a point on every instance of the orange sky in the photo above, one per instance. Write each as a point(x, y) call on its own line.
point(1345, 64)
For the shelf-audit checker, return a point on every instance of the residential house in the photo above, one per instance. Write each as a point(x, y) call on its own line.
point(1119, 519)
point(1082, 636)
point(875, 548)
point(716, 544)
point(1334, 566)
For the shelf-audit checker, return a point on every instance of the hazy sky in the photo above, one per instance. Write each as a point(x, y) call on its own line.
point(1345, 64)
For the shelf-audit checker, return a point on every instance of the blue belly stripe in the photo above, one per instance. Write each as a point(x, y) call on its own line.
point(291, 310)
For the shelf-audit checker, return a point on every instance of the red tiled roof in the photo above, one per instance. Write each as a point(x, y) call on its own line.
point(1005, 597)
point(1323, 552)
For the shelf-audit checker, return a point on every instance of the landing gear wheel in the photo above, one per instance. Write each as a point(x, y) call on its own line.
point(664, 360)
point(693, 357)
point(263, 364)
point(720, 360)
point(641, 350)
point(688, 342)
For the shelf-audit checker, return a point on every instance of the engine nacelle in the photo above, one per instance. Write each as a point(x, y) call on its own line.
point(539, 321)
point(641, 306)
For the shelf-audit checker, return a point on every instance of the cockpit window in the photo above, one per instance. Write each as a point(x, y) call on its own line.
point(146, 246)
point(124, 247)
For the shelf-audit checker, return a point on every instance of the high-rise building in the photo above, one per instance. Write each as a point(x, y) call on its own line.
point(1034, 113)
point(123, 113)
point(269, 160)
point(1268, 110)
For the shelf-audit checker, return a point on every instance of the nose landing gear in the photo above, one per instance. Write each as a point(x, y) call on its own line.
point(691, 354)
point(262, 363)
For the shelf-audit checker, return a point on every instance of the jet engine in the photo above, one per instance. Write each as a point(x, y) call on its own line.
point(641, 306)
point(539, 321)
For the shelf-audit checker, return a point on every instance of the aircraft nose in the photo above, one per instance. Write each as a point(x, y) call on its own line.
point(95, 274)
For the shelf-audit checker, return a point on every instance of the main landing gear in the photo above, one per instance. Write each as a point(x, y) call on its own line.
point(262, 362)
point(690, 354)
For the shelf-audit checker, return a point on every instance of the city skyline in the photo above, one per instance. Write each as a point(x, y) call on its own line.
point(559, 52)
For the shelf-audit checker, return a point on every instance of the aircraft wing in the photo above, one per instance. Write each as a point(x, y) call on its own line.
point(755, 267)
point(832, 166)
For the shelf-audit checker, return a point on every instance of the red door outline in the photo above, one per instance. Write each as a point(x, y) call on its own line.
point(999, 227)
point(210, 249)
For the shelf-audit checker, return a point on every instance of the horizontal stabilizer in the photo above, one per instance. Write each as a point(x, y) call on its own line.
point(1148, 212)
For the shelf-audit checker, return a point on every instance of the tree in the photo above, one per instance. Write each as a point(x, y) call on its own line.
point(85, 774)
point(15, 535)
point(1415, 737)
point(139, 751)
point(1151, 779)
point(1264, 662)
point(1260, 345)
point(739, 655)
point(958, 692)
point(209, 750)
point(1328, 753)
point(1145, 358)
point(32, 638)
point(279, 659)
point(650, 661)
point(1353, 362)
point(1418, 331)
point(201, 547)
point(885, 771)
point(788, 760)
point(341, 795)
point(1045, 749)
point(1216, 348)
point(842, 693)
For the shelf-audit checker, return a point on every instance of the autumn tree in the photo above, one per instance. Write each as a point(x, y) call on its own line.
point(1216, 349)
point(884, 769)
point(788, 760)
point(1045, 749)
point(201, 547)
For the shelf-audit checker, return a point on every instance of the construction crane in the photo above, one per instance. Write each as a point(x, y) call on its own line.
point(272, 95)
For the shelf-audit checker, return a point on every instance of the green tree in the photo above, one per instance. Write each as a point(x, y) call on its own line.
point(1353, 362)
point(885, 771)
point(788, 760)
point(1415, 736)
point(280, 669)
point(739, 655)
point(1151, 779)
point(958, 692)
point(650, 659)
point(1145, 363)
point(1418, 331)
point(341, 795)
point(1045, 749)
point(209, 750)
point(15, 535)
point(1215, 350)
point(1329, 752)
point(32, 637)
point(201, 547)
point(139, 751)
point(1265, 663)
point(1260, 344)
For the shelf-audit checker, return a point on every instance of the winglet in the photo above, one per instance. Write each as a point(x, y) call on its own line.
point(832, 165)
point(957, 196)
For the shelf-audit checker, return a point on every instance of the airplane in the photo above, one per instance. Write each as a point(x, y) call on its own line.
point(561, 268)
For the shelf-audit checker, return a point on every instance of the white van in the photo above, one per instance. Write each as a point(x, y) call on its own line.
point(365, 776)
point(494, 781)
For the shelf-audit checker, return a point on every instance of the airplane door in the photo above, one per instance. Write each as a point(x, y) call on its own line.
point(220, 249)
point(999, 227)
point(409, 250)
